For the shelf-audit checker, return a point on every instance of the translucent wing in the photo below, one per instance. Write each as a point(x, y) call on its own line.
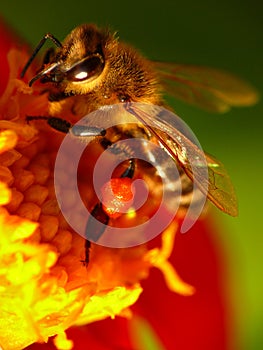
point(209, 174)
point(180, 143)
point(207, 88)
point(221, 191)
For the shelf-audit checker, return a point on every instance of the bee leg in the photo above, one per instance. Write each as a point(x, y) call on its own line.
point(94, 229)
point(64, 126)
point(84, 131)
point(49, 54)
point(55, 123)
point(87, 251)
point(129, 172)
point(38, 47)
point(85, 262)
point(116, 149)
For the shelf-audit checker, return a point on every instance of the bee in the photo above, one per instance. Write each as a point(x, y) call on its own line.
point(92, 69)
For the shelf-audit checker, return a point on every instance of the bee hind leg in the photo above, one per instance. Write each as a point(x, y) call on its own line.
point(99, 219)
point(95, 227)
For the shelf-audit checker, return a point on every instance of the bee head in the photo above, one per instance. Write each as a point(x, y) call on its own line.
point(92, 60)
point(77, 62)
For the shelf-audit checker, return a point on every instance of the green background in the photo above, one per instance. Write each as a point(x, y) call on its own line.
point(224, 34)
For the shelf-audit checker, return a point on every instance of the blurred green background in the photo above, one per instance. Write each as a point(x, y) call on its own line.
point(226, 34)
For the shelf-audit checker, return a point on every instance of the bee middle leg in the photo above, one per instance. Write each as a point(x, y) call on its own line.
point(64, 126)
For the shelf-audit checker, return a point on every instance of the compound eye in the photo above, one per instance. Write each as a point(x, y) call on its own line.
point(89, 67)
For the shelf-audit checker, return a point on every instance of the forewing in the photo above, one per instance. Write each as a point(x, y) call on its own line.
point(210, 174)
point(208, 88)
point(207, 172)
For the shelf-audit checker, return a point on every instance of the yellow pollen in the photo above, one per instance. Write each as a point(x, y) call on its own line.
point(5, 194)
point(8, 140)
point(62, 342)
point(131, 213)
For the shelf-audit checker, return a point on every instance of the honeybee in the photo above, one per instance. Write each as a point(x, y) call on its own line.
point(92, 69)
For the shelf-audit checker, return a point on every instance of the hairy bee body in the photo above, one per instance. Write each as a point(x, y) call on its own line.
point(92, 69)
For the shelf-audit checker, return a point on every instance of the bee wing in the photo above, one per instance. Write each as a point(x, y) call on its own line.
point(221, 191)
point(208, 88)
point(173, 135)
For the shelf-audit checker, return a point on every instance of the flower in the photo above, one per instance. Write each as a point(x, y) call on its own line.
point(166, 320)
point(44, 287)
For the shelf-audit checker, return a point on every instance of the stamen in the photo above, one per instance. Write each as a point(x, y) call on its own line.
point(62, 342)
point(158, 258)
